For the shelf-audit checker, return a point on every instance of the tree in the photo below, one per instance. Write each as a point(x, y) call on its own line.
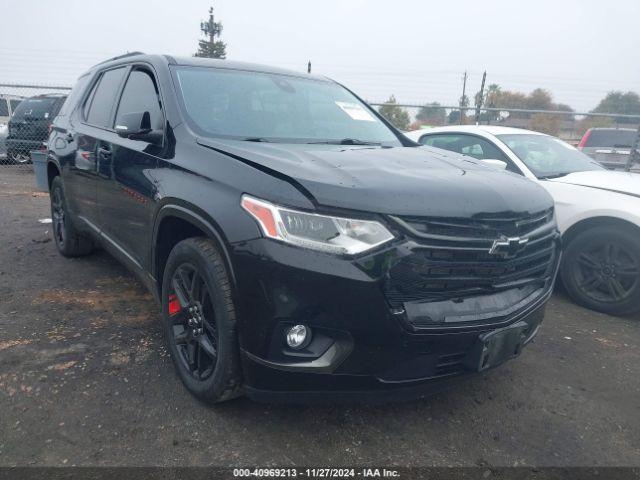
point(398, 116)
point(491, 99)
point(210, 47)
point(432, 114)
point(540, 99)
point(566, 108)
point(545, 123)
point(620, 102)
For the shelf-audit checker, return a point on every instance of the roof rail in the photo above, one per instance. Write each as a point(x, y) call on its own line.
point(128, 54)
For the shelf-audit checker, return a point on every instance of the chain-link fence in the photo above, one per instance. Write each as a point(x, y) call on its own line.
point(26, 114)
point(27, 111)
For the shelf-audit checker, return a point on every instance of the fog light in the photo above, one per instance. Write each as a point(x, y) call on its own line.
point(298, 336)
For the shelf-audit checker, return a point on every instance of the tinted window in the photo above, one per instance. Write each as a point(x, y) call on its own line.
point(140, 95)
point(4, 108)
point(104, 97)
point(279, 108)
point(71, 100)
point(37, 108)
point(611, 138)
point(548, 156)
point(14, 104)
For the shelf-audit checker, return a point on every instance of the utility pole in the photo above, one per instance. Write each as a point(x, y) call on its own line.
point(464, 93)
point(480, 98)
point(309, 67)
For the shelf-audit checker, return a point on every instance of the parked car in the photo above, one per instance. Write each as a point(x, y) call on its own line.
point(300, 245)
point(598, 210)
point(3, 138)
point(8, 104)
point(610, 147)
point(29, 125)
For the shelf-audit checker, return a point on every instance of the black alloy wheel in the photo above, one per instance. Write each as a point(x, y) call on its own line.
point(21, 158)
point(601, 270)
point(200, 322)
point(193, 322)
point(606, 273)
point(69, 241)
point(58, 217)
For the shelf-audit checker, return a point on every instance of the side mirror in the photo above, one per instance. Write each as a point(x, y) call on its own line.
point(497, 164)
point(136, 126)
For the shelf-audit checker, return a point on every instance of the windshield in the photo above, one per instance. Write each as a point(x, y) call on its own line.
point(269, 107)
point(548, 157)
point(36, 108)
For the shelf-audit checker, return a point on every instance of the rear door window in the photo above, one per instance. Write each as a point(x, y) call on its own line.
point(611, 138)
point(100, 104)
point(73, 97)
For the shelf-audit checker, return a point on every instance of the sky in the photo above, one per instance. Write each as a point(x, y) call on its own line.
point(417, 50)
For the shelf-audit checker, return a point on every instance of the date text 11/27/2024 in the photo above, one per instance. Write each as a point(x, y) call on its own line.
point(316, 472)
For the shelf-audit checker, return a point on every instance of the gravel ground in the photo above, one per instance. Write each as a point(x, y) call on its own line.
point(85, 380)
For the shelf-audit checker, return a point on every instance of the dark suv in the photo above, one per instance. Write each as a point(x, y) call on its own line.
point(29, 126)
point(299, 244)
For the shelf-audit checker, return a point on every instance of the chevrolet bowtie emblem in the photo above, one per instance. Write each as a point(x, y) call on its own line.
point(508, 247)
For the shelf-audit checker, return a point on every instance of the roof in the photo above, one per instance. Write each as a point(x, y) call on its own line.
point(234, 65)
point(208, 62)
point(490, 129)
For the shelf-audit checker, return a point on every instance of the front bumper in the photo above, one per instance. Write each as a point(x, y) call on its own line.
point(366, 347)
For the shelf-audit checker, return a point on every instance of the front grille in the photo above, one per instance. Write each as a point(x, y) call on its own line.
point(451, 257)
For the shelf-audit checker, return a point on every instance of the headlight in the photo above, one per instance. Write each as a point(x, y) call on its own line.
point(319, 232)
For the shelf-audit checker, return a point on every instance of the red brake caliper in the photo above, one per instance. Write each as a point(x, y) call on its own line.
point(174, 304)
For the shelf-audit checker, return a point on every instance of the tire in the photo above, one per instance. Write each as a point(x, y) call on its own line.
point(70, 243)
point(601, 270)
point(199, 313)
point(18, 157)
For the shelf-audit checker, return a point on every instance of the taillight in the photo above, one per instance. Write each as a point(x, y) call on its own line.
point(584, 139)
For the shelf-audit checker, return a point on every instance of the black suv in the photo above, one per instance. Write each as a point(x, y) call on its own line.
point(299, 244)
point(29, 126)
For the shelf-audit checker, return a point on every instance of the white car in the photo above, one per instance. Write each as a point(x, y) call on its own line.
point(598, 210)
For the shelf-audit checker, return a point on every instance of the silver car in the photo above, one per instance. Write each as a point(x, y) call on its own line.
point(8, 104)
point(3, 145)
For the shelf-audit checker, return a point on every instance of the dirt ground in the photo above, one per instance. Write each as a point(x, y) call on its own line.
point(85, 380)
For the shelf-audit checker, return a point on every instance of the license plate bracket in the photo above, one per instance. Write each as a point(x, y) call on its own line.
point(496, 347)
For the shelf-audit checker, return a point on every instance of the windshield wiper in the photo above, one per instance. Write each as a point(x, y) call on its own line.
point(255, 139)
point(344, 141)
point(553, 175)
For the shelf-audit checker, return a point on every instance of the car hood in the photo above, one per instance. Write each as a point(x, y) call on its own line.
point(620, 182)
point(419, 181)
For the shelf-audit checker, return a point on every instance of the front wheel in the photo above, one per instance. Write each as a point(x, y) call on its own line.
point(19, 157)
point(601, 270)
point(199, 320)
